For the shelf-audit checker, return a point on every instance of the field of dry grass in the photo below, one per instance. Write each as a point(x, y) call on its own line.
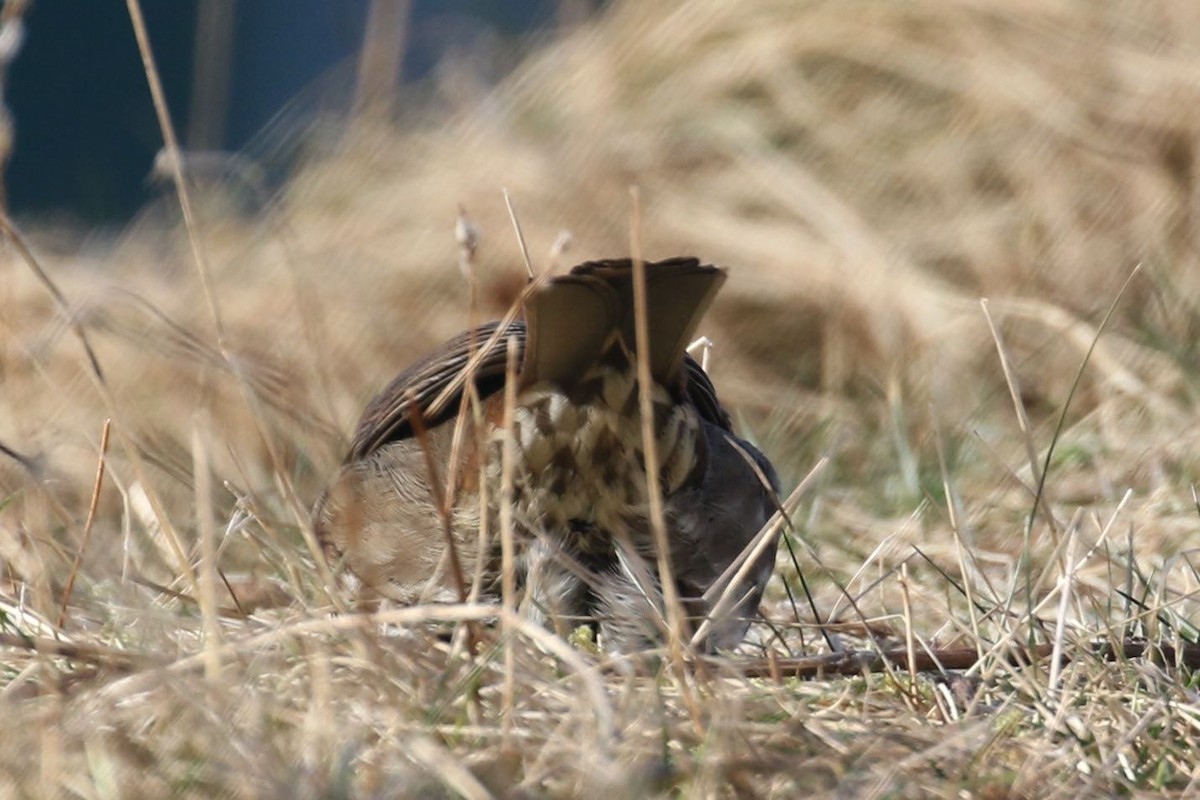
point(869, 172)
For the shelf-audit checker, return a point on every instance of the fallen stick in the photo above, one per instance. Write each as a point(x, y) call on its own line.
point(857, 662)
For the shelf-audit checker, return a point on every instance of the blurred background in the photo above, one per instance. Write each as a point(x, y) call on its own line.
point(88, 132)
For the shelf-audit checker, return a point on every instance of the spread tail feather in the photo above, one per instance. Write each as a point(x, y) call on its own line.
point(573, 319)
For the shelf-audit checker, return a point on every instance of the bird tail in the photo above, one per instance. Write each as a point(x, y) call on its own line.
point(573, 320)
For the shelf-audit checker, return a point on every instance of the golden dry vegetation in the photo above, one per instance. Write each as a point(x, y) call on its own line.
point(868, 171)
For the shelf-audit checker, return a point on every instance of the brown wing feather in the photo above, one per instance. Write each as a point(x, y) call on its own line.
point(386, 418)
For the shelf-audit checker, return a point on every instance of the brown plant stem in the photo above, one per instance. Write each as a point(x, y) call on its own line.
point(858, 662)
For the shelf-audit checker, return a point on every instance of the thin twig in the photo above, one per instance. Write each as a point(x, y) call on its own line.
point(1014, 391)
point(857, 662)
point(676, 620)
point(956, 524)
point(18, 241)
point(507, 545)
point(87, 653)
point(176, 164)
point(1062, 418)
point(209, 614)
point(421, 433)
point(909, 640)
point(87, 525)
point(658, 520)
point(467, 236)
point(512, 214)
point(721, 595)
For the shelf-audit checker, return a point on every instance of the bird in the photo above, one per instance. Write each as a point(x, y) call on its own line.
point(426, 466)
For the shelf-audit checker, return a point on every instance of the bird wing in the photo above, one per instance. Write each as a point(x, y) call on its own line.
point(572, 319)
point(388, 417)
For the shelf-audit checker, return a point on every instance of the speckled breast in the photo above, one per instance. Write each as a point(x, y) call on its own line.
point(579, 469)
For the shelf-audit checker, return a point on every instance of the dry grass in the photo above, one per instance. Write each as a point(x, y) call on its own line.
point(868, 171)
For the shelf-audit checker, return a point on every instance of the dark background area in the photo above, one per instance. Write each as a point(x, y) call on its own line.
point(86, 132)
